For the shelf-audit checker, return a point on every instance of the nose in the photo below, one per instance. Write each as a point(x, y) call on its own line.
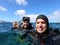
point(24, 23)
point(40, 24)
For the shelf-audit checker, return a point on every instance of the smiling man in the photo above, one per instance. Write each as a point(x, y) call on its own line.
point(26, 23)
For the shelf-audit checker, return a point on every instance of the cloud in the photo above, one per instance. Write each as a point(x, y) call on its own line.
point(21, 2)
point(3, 9)
point(33, 17)
point(18, 2)
point(55, 16)
point(20, 12)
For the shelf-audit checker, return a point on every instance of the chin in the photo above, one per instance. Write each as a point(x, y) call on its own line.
point(40, 31)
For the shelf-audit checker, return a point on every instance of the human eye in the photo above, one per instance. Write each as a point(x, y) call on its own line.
point(43, 22)
point(37, 22)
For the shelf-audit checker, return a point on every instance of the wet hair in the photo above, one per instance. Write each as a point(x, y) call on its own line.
point(26, 19)
point(41, 16)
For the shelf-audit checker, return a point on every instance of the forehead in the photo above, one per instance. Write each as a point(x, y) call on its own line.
point(25, 21)
point(40, 20)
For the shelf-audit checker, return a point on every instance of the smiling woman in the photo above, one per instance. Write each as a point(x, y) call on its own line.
point(44, 35)
point(41, 23)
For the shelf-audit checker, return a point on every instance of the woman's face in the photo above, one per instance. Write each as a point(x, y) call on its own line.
point(41, 26)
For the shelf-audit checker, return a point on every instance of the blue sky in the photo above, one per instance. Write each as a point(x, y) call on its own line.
point(11, 10)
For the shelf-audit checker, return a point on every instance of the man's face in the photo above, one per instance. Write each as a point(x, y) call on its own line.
point(25, 24)
point(41, 26)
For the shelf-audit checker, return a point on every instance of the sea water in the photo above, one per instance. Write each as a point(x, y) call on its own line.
point(7, 36)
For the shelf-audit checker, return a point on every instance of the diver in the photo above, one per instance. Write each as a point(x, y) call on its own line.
point(26, 23)
point(43, 34)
